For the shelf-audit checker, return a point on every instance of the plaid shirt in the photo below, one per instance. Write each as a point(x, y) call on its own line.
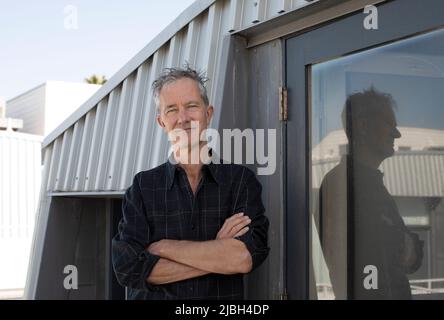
point(160, 205)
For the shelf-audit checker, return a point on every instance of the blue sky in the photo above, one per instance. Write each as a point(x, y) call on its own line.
point(36, 46)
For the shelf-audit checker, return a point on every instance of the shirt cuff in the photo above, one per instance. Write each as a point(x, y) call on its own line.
point(149, 261)
point(251, 247)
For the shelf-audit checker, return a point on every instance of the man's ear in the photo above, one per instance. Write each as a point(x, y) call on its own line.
point(210, 111)
point(160, 122)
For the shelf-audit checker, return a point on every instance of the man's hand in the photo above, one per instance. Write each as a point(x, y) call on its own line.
point(234, 226)
point(157, 247)
point(223, 255)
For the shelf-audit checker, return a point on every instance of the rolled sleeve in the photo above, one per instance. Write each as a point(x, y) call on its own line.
point(250, 202)
point(131, 262)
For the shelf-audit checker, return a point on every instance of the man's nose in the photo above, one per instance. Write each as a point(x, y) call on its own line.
point(396, 133)
point(182, 116)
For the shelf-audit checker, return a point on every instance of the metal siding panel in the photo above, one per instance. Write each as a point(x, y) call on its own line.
point(399, 173)
point(416, 174)
point(424, 183)
point(221, 63)
point(427, 178)
point(441, 175)
point(118, 145)
point(259, 8)
point(173, 56)
point(131, 144)
point(96, 142)
point(295, 4)
point(192, 40)
point(85, 150)
point(149, 113)
point(199, 41)
point(216, 43)
point(438, 165)
point(387, 166)
point(402, 171)
point(434, 180)
point(53, 164)
point(107, 139)
point(210, 42)
point(64, 153)
point(411, 170)
point(247, 13)
point(42, 176)
point(154, 131)
point(279, 6)
point(73, 156)
point(236, 7)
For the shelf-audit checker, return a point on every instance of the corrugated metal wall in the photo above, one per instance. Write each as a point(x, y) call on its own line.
point(20, 175)
point(406, 174)
point(118, 137)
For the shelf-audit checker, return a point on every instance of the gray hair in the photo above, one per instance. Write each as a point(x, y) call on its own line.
point(170, 75)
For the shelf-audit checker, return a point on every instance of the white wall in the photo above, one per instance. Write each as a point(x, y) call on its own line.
point(47, 106)
point(20, 178)
point(29, 106)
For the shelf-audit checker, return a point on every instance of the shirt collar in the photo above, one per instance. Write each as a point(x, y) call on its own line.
point(211, 167)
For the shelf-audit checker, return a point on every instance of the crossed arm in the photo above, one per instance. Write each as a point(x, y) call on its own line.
point(181, 260)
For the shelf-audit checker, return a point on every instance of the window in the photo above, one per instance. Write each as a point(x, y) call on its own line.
point(374, 234)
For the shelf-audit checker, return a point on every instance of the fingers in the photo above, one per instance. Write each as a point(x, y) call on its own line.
point(245, 221)
point(234, 222)
point(231, 221)
point(233, 225)
point(241, 232)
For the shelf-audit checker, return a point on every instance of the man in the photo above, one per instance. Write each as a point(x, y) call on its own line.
point(360, 223)
point(190, 229)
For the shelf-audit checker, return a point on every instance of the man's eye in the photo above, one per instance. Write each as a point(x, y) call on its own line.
point(170, 110)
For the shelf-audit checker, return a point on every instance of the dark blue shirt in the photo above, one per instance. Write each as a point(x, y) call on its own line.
point(160, 205)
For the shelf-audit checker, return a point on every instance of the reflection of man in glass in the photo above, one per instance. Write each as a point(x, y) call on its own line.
point(360, 223)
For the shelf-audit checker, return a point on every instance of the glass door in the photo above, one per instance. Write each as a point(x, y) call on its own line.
point(370, 213)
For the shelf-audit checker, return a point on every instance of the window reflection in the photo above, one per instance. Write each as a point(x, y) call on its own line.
point(378, 173)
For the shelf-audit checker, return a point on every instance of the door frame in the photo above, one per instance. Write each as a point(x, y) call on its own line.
point(398, 19)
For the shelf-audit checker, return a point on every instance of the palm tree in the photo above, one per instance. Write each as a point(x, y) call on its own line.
point(94, 79)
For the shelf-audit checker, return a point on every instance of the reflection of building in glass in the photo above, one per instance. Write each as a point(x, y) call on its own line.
point(414, 176)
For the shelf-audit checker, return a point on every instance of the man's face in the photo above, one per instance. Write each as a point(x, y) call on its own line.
point(381, 133)
point(180, 104)
point(387, 132)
